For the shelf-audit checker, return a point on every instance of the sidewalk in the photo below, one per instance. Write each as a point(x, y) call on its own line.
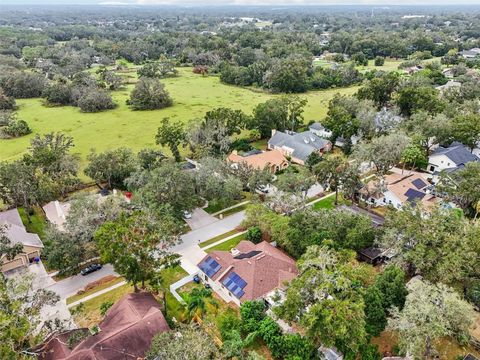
point(94, 295)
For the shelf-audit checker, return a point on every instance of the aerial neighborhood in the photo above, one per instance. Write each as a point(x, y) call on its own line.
point(210, 182)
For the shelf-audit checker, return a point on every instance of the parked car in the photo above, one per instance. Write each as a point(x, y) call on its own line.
point(187, 214)
point(196, 279)
point(90, 268)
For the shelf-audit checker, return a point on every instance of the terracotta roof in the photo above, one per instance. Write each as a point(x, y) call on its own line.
point(126, 332)
point(260, 160)
point(263, 267)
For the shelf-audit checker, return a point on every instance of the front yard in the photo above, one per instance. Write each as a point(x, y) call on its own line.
point(229, 244)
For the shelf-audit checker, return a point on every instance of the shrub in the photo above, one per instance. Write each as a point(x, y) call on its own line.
point(6, 102)
point(22, 85)
point(15, 128)
point(58, 94)
point(105, 306)
point(254, 234)
point(473, 292)
point(379, 61)
point(95, 100)
point(75, 338)
point(149, 94)
point(252, 312)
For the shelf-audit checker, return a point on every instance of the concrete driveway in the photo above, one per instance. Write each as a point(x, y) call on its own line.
point(69, 286)
point(200, 218)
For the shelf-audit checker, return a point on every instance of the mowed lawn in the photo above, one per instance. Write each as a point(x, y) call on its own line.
point(193, 95)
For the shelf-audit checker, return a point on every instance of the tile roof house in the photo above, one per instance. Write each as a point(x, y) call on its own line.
point(126, 332)
point(15, 231)
point(298, 146)
point(397, 190)
point(450, 158)
point(272, 160)
point(248, 272)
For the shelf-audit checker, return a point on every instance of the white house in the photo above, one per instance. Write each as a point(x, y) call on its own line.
point(397, 190)
point(449, 159)
point(319, 130)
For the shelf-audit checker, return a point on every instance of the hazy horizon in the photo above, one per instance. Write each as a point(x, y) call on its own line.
point(217, 3)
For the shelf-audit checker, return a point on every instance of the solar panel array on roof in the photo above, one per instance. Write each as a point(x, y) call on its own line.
point(247, 255)
point(235, 284)
point(419, 183)
point(413, 195)
point(209, 266)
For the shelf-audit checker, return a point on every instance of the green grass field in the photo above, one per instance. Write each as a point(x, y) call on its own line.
point(193, 95)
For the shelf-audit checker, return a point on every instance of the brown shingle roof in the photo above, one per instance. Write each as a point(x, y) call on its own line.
point(126, 331)
point(267, 270)
point(261, 160)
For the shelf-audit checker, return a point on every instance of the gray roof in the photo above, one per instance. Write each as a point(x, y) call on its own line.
point(316, 126)
point(11, 216)
point(458, 153)
point(15, 230)
point(303, 144)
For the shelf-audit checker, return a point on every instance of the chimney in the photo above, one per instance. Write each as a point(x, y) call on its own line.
point(235, 152)
point(273, 132)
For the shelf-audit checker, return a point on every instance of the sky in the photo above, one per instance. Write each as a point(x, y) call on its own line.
point(244, 2)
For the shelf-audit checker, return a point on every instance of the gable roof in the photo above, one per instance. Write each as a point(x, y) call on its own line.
point(316, 126)
point(259, 160)
point(250, 271)
point(303, 144)
point(126, 332)
point(12, 216)
point(407, 188)
point(15, 230)
point(457, 153)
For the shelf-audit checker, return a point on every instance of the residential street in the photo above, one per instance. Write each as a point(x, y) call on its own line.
point(68, 287)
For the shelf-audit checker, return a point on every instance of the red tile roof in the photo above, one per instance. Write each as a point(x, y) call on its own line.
point(265, 271)
point(126, 332)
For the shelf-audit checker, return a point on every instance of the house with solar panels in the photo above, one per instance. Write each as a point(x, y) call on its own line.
point(247, 272)
point(397, 190)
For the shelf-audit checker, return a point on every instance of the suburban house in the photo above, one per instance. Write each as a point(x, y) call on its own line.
point(57, 212)
point(470, 54)
point(298, 146)
point(321, 131)
point(16, 232)
point(449, 159)
point(398, 189)
point(273, 160)
point(248, 272)
point(449, 85)
point(126, 332)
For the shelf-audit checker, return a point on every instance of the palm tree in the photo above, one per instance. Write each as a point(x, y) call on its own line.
point(196, 301)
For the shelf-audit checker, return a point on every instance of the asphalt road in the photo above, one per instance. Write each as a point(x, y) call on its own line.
point(69, 286)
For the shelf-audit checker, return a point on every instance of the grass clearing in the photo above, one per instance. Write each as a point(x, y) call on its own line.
point(37, 222)
point(98, 288)
point(193, 95)
point(91, 313)
point(329, 202)
point(229, 244)
point(232, 211)
point(218, 238)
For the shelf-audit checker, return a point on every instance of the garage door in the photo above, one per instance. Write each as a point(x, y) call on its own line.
point(10, 265)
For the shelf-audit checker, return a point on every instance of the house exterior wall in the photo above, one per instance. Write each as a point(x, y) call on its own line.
point(321, 133)
point(219, 289)
point(22, 259)
point(439, 163)
point(388, 198)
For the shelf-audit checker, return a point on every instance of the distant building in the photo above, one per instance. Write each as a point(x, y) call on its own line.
point(298, 146)
point(273, 160)
point(16, 232)
point(450, 84)
point(248, 272)
point(470, 54)
point(319, 130)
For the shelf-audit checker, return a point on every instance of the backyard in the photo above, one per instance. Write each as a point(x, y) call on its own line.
point(193, 95)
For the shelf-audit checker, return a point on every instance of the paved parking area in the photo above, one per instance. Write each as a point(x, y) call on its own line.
point(68, 287)
point(200, 218)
